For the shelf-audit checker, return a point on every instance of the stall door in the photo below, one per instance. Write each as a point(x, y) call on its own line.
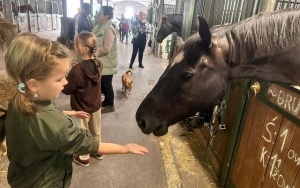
point(268, 151)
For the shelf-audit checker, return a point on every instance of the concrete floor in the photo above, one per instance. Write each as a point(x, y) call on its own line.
point(174, 160)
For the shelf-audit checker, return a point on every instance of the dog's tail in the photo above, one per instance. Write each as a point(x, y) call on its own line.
point(129, 72)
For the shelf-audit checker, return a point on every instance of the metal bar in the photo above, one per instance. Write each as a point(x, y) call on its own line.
point(223, 11)
point(51, 2)
point(228, 12)
point(240, 12)
point(207, 9)
point(234, 11)
point(256, 7)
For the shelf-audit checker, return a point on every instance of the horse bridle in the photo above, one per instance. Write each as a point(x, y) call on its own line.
point(217, 112)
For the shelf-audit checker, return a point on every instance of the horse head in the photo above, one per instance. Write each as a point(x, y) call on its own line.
point(195, 80)
point(169, 24)
point(26, 8)
point(22, 8)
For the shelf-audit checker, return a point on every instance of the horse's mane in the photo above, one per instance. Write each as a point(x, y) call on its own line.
point(262, 35)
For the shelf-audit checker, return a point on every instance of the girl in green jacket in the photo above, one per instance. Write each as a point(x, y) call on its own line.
point(40, 138)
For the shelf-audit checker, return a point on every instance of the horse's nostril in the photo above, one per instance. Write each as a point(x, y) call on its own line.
point(142, 124)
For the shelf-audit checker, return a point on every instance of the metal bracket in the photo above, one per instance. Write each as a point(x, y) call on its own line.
point(222, 127)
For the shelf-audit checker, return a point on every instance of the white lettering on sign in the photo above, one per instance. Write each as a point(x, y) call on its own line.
point(284, 135)
point(262, 156)
point(285, 99)
point(275, 172)
point(267, 128)
point(275, 161)
point(294, 156)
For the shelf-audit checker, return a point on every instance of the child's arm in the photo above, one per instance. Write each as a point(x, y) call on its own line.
point(77, 114)
point(110, 148)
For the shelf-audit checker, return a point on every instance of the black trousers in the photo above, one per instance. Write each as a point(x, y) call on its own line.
point(107, 90)
point(121, 33)
point(139, 45)
point(125, 34)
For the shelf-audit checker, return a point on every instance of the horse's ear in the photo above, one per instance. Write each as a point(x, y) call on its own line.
point(204, 32)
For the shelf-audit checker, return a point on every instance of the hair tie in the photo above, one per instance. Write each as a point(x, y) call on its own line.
point(21, 87)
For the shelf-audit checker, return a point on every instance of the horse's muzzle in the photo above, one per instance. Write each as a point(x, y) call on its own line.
point(142, 125)
point(148, 128)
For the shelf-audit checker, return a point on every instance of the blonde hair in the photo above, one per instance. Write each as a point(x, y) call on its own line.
point(142, 12)
point(86, 39)
point(32, 57)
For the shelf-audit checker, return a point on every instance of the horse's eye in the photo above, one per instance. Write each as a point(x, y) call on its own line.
point(187, 76)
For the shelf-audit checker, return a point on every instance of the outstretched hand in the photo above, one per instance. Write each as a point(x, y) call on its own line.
point(81, 114)
point(77, 114)
point(137, 149)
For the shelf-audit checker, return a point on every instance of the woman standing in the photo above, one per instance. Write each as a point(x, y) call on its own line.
point(107, 54)
point(140, 29)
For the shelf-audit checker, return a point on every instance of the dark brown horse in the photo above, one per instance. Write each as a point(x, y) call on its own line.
point(264, 47)
point(170, 23)
point(21, 9)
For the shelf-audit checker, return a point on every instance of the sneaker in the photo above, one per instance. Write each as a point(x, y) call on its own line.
point(99, 157)
point(81, 162)
point(130, 66)
point(141, 66)
point(107, 109)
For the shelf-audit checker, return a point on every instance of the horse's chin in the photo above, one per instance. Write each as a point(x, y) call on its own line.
point(159, 40)
point(161, 130)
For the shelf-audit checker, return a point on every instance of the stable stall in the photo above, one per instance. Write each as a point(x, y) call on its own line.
point(252, 141)
point(34, 15)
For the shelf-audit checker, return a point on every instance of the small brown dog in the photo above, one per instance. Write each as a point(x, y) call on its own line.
point(127, 82)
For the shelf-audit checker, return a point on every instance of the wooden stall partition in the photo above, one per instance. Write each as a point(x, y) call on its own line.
point(267, 153)
point(23, 22)
point(33, 22)
point(220, 146)
point(56, 19)
point(59, 17)
point(42, 22)
point(48, 22)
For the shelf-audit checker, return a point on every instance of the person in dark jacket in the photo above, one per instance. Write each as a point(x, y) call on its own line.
point(82, 21)
point(140, 29)
point(84, 86)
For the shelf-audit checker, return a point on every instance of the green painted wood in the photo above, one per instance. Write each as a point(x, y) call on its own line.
point(280, 101)
point(234, 133)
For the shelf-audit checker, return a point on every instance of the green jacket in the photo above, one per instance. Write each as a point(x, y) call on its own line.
point(110, 61)
point(40, 147)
